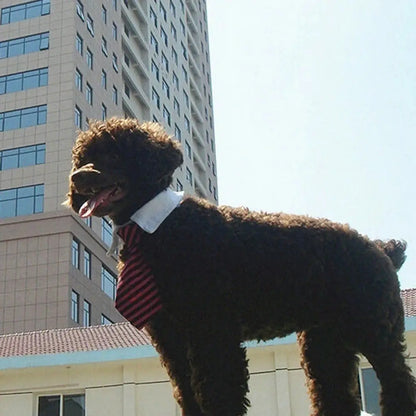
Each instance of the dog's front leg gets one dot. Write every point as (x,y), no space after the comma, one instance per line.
(219,369)
(170,342)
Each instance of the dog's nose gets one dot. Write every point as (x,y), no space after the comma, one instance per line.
(86,170)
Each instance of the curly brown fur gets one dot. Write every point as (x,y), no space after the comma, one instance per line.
(227,275)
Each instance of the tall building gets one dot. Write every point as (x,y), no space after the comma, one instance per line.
(63,62)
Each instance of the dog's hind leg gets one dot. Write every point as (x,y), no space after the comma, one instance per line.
(173,355)
(398,386)
(332,373)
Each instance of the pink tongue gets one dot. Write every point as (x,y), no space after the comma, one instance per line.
(88,208)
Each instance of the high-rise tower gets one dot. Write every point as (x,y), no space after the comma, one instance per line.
(61,63)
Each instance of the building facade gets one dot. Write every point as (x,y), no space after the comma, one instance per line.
(62,63)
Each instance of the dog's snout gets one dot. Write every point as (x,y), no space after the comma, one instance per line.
(84,171)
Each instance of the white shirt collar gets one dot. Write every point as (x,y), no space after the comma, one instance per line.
(151,215)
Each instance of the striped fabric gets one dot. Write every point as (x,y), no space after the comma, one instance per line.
(137,297)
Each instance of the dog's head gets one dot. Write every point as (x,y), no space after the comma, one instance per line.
(118,165)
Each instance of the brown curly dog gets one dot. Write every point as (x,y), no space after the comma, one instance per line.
(224,275)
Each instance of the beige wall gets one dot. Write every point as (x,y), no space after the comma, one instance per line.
(140,387)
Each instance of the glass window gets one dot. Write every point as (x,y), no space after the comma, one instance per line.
(103,112)
(24,45)
(22,156)
(178,133)
(155,98)
(90,59)
(104,14)
(78,117)
(188,176)
(115,95)
(78,79)
(115,31)
(90,25)
(75,306)
(87,263)
(67,405)
(104,79)
(79,44)
(154,43)
(25,11)
(165,88)
(105,320)
(86,313)
(166,115)
(88,94)
(163,12)
(106,232)
(80,10)
(104,46)
(108,282)
(75,253)
(24,117)
(155,70)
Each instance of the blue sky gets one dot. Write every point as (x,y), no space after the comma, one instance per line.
(315,111)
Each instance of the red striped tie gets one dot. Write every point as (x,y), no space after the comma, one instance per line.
(137,297)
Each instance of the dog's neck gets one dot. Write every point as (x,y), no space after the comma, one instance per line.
(151,215)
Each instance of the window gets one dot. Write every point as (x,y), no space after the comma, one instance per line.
(175,81)
(165,62)
(153,16)
(25,11)
(108,282)
(154,43)
(104,14)
(165,88)
(166,115)
(104,46)
(215,194)
(182,6)
(23,80)
(78,79)
(188,176)
(163,12)
(164,36)
(75,306)
(20,157)
(174,56)
(103,111)
(80,10)
(90,25)
(87,263)
(187,124)
(104,79)
(182,27)
(89,57)
(178,133)
(179,186)
(78,117)
(155,70)
(115,31)
(21,201)
(115,95)
(172,8)
(173,31)
(185,74)
(115,62)
(155,98)
(105,320)
(184,51)
(115,4)
(106,232)
(79,44)
(176,107)
(75,253)
(214,171)
(57,405)
(188,150)
(370,390)
(23,117)
(210,184)
(86,313)
(24,45)
(127,90)
(89,94)
(186,98)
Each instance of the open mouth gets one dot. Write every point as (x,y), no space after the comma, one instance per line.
(100,200)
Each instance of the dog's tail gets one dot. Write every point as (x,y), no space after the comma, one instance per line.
(395,250)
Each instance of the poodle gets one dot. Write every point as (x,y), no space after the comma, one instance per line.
(216,276)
